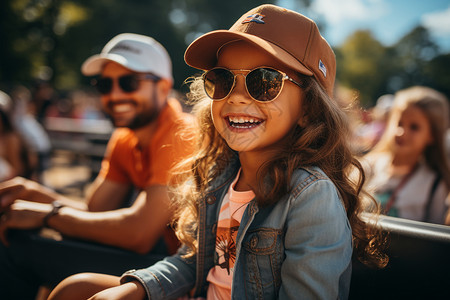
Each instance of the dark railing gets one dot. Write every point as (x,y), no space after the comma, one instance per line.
(419,263)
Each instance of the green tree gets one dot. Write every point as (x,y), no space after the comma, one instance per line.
(437,74)
(413,54)
(50,39)
(362,65)
(372,69)
(31,30)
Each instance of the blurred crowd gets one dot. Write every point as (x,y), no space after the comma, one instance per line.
(25,143)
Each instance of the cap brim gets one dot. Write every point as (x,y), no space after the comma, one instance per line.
(203,52)
(94,64)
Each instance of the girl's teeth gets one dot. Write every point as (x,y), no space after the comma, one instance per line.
(242,120)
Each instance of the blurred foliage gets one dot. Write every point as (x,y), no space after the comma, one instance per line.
(374,70)
(358,62)
(50,39)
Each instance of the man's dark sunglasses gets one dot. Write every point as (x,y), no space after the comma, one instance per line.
(128,83)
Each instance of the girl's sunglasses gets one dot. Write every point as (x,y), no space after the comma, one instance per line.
(263,84)
(128,83)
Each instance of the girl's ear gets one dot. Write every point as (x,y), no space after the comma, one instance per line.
(302,121)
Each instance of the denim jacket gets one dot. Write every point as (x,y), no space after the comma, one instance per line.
(297,248)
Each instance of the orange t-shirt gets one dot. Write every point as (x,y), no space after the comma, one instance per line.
(125,162)
(172,141)
(220,276)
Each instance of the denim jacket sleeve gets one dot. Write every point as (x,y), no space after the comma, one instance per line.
(170,278)
(318,244)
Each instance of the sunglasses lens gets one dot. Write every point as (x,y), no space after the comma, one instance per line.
(218,83)
(129,83)
(264,84)
(103,85)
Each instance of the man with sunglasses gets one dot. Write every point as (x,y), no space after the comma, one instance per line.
(104,235)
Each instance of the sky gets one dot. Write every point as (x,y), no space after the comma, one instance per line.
(388,20)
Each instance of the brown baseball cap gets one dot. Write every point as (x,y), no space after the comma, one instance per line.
(288,36)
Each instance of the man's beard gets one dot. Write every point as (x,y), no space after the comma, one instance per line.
(140,120)
(144,118)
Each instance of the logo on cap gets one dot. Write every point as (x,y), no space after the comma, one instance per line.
(322,68)
(125,47)
(257,18)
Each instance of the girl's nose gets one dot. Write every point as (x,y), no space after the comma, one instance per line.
(239,93)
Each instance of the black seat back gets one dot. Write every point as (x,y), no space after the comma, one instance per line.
(419,264)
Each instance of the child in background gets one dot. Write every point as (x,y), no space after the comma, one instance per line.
(14,155)
(408,169)
(268,208)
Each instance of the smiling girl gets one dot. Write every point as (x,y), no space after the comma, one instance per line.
(408,169)
(268,209)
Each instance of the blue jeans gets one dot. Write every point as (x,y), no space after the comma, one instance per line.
(32,260)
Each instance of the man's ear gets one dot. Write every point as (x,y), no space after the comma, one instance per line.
(164,87)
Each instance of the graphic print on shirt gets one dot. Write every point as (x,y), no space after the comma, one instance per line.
(225,254)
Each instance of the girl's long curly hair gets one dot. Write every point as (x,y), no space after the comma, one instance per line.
(321,141)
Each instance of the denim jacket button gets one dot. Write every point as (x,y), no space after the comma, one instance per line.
(254,242)
(211,199)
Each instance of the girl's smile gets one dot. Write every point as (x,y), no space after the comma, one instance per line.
(240,123)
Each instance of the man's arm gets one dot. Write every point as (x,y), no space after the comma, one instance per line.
(136,228)
(104,195)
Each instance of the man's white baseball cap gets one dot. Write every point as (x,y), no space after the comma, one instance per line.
(138,53)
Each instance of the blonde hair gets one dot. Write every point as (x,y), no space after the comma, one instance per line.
(434,106)
(322,141)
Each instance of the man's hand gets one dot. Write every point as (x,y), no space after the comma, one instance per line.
(24,189)
(11,190)
(23,215)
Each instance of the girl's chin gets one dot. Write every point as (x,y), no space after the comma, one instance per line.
(240,147)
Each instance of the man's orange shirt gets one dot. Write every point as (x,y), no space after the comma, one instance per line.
(172,141)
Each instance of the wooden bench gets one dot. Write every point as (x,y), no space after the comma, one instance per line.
(84,139)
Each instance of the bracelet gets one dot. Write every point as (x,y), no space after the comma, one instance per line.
(56,206)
